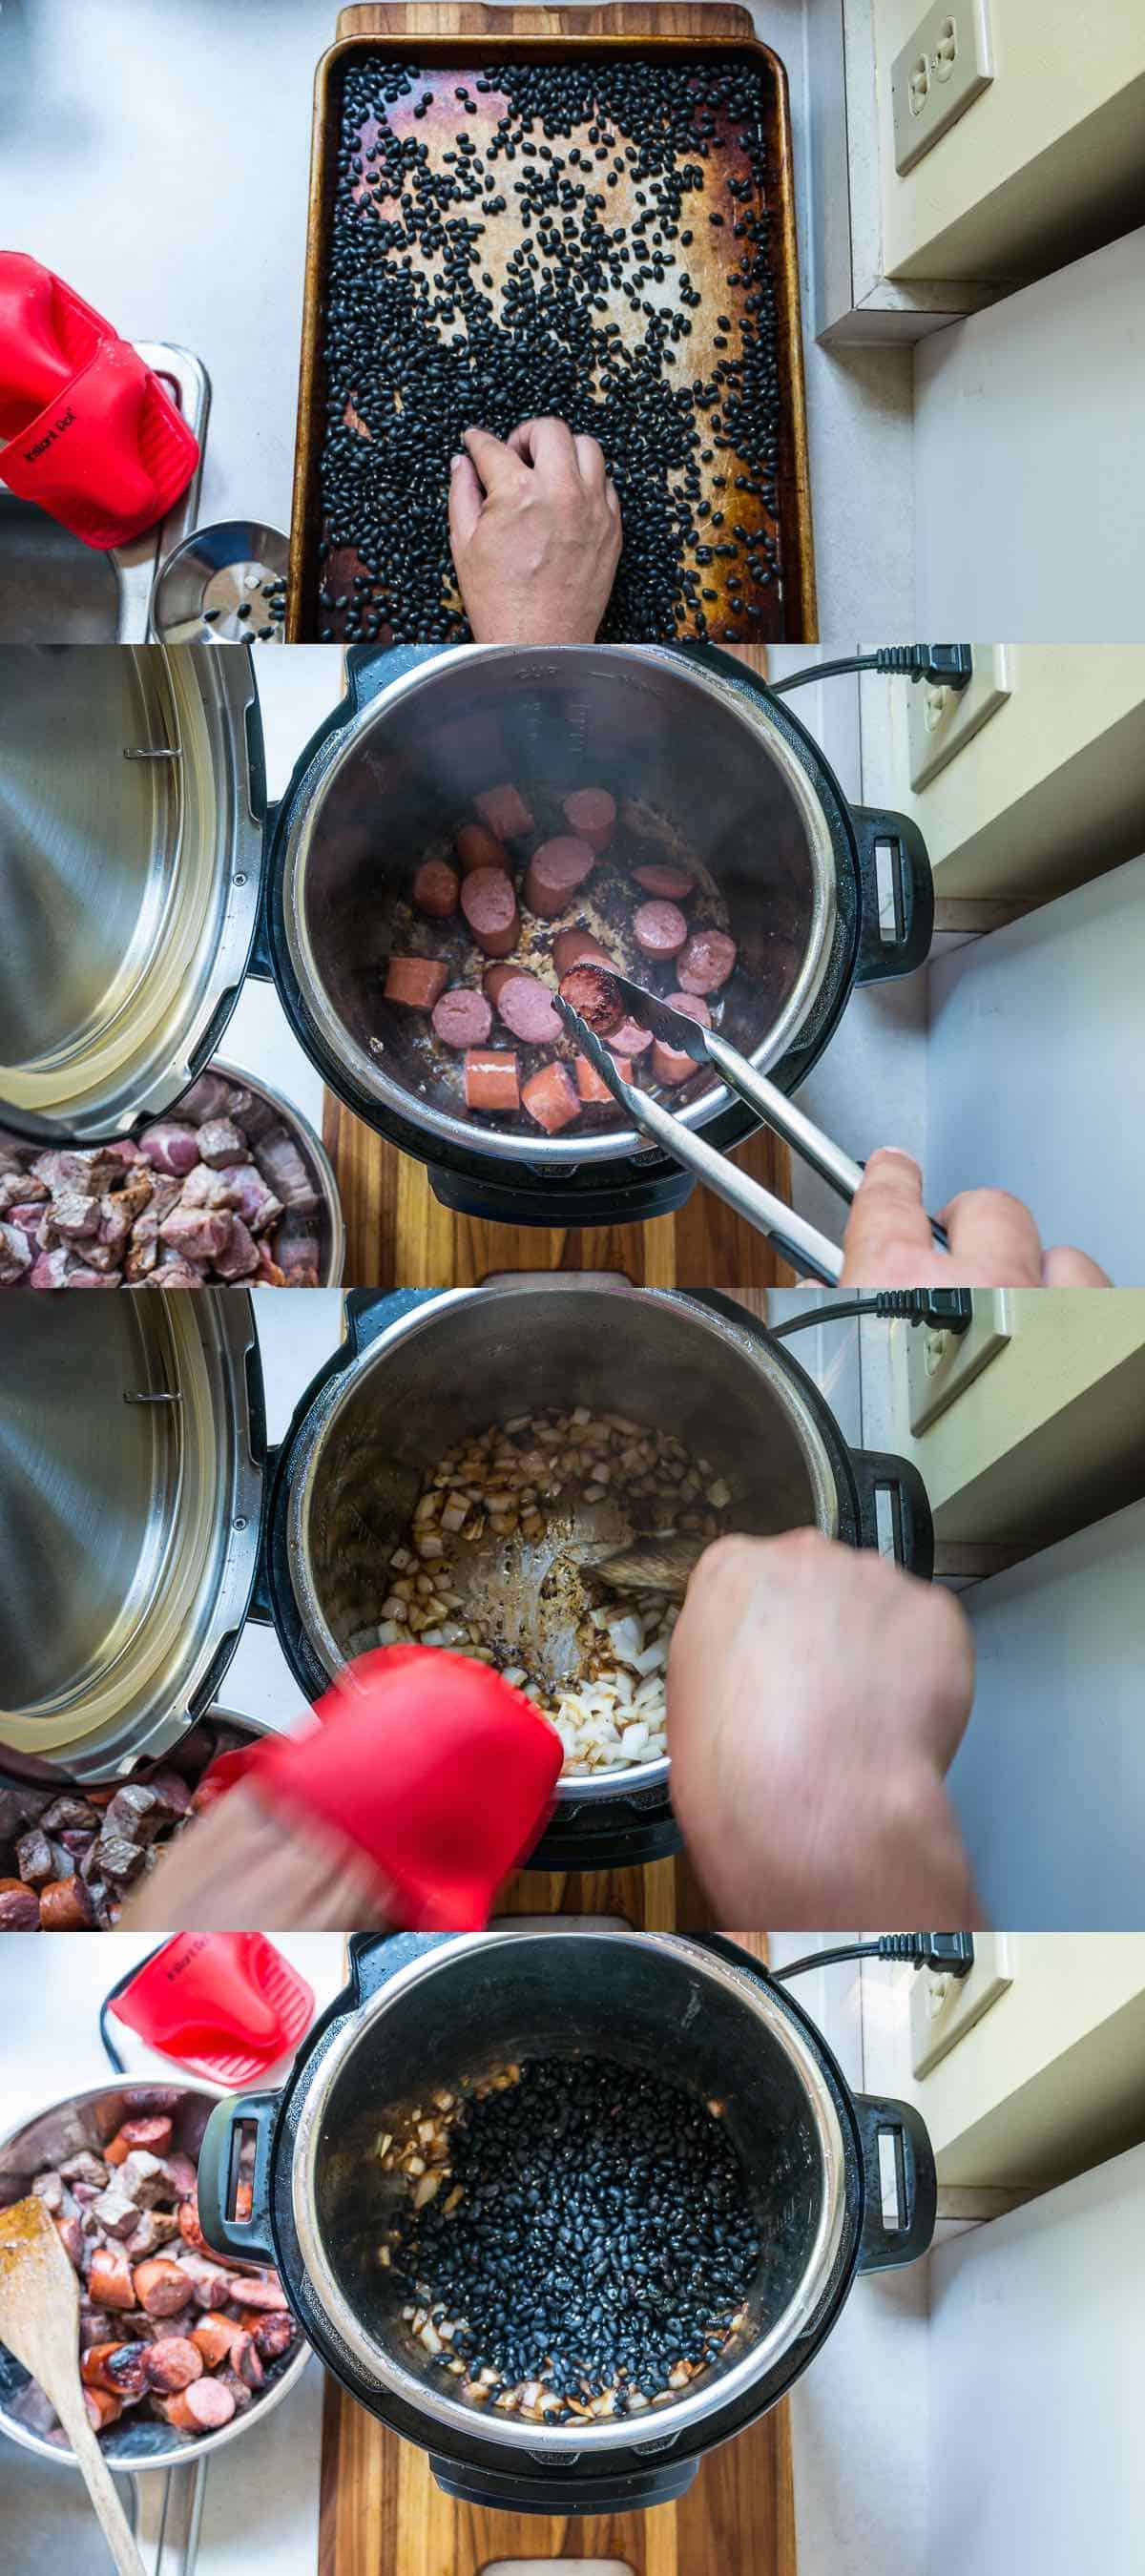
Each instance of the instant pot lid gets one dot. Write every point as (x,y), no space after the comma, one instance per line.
(129,870)
(130,1507)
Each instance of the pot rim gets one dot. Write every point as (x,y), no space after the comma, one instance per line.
(190,2447)
(576,1788)
(667,2423)
(544,1154)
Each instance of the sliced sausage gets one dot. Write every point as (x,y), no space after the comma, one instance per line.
(416,981)
(505,812)
(173,2363)
(213,2337)
(629,1039)
(102,2408)
(525,1005)
(245,2361)
(489,904)
(162,2286)
(670,1064)
(492,1081)
(478,847)
(435,889)
(257,2290)
(66,1906)
(707,962)
(462,1018)
(155,2135)
(593,992)
(659,929)
(550,1097)
(110,2284)
(189,2228)
(118,2367)
(673,885)
(593,1091)
(591,813)
(571,947)
(274,2335)
(202,2408)
(554,873)
(19,1906)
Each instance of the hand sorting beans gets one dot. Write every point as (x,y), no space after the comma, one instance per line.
(578,2239)
(213,1193)
(165,2328)
(537,896)
(587,241)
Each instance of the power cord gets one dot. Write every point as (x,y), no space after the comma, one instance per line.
(943,666)
(949,1954)
(946,1310)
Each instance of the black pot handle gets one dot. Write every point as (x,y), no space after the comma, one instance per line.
(375,1957)
(243,2240)
(900,942)
(911,1521)
(886,2243)
(370,668)
(371,1311)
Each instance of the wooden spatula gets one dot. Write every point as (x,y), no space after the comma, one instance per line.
(645,1565)
(40,2323)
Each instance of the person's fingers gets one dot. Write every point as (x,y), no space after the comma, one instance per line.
(548,445)
(887,1242)
(466,502)
(590,460)
(612,497)
(1063,1267)
(497,463)
(995,1237)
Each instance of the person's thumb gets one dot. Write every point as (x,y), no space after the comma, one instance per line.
(466,502)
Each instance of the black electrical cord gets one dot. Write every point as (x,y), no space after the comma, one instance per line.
(947,1310)
(944,666)
(949,1954)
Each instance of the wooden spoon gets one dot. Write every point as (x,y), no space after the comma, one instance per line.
(646,1565)
(40,2323)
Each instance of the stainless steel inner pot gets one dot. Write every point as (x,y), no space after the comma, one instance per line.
(679,739)
(475,1356)
(89,2120)
(129,872)
(129,1517)
(660,2002)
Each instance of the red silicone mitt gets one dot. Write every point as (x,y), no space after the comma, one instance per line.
(92,437)
(430,1764)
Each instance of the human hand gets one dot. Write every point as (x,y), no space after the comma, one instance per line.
(534,526)
(244,1866)
(994,1242)
(816,1699)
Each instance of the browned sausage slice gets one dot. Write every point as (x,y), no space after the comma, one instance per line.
(571,947)
(674,885)
(435,889)
(257,2290)
(120,2367)
(551,1098)
(110,2284)
(491,1080)
(629,1039)
(462,1018)
(591,812)
(505,812)
(478,847)
(274,2336)
(162,2286)
(554,873)
(593,1091)
(659,929)
(155,2135)
(525,1005)
(173,2363)
(213,2337)
(670,1064)
(707,962)
(593,992)
(416,981)
(201,2408)
(490,908)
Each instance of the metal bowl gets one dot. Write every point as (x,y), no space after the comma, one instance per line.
(89,2119)
(205,582)
(331,1226)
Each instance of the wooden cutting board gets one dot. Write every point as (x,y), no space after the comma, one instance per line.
(383,2515)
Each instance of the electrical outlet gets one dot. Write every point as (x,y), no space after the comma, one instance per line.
(943,2009)
(946,63)
(940,1364)
(941,721)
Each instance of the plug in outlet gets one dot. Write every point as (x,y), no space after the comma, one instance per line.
(943,66)
(939,1364)
(943,2009)
(940,722)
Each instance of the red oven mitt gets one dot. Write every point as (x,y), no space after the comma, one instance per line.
(431,1764)
(91,436)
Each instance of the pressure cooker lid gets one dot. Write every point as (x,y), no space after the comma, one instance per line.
(129,862)
(704,780)
(129,1516)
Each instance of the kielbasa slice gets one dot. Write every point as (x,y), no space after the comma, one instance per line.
(489,904)
(478,847)
(571,947)
(525,1005)
(202,2408)
(213,2337)
(172,2363)
(462,1018)
(435,889)
(592,991)
(659,929)
(591,813)
(416,981)
(257,2290)
(593,1091)
(505,812)
(109,2283)
(102,2409)
(162,2286)
(118,2367)
(554,873)
(670,1064)
(492,1081)
(629,1039)
(274,2336)
(707,962)
(551,1098)
(155,2135)
(673,885)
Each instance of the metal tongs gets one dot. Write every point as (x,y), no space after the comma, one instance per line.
(795,1240)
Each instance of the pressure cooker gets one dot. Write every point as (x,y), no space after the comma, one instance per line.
(145,1515)
(840,2183)
(145,875)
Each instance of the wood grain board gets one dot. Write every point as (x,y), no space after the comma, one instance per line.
(383,2515)
(462,34)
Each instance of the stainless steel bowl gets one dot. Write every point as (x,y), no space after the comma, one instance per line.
(331,1224)
(89,2119)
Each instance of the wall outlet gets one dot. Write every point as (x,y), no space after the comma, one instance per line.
(943,2009)
(940,1364)
(946,63)
(941,721)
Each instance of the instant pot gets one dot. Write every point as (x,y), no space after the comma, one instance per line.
(145,874)
(420,2012)
(146,1516)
